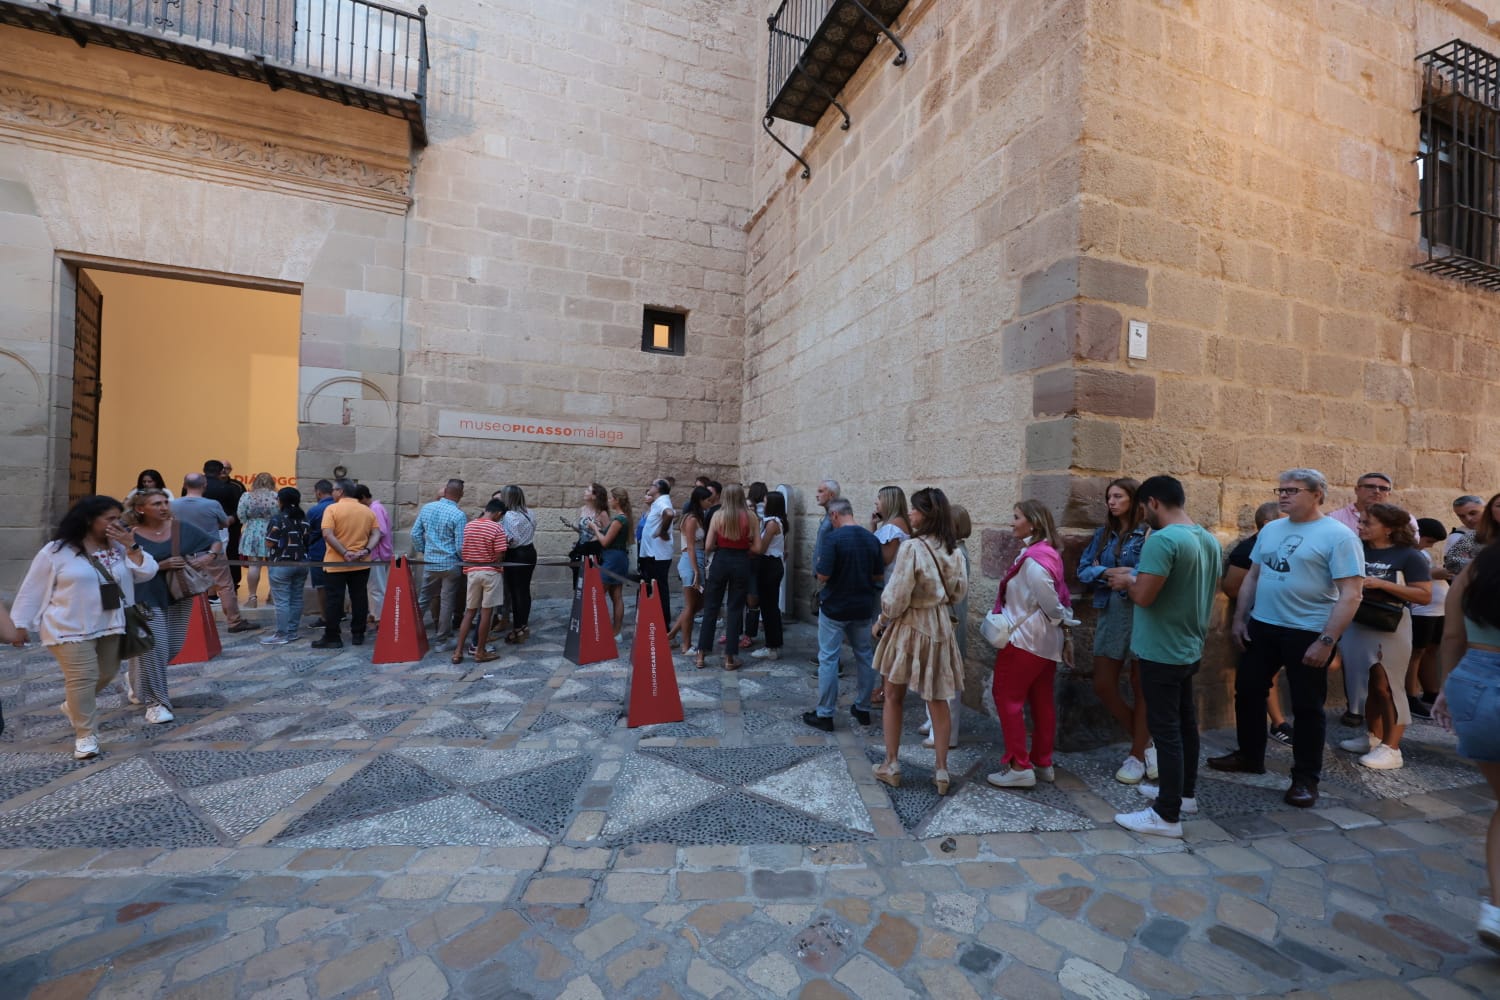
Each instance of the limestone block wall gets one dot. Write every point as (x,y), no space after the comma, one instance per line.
(1248,186)
(117,160)
(880,291)
(587,160)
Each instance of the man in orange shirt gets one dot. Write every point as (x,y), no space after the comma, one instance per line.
(350,529)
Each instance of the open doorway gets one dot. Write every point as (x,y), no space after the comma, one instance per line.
(176,372)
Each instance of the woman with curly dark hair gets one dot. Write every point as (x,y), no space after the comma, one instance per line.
(74,596)
(1377,653)
(1470,700)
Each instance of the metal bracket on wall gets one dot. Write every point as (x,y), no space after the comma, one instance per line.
(900,59)
(766,124)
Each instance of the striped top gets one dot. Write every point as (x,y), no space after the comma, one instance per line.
(484,543)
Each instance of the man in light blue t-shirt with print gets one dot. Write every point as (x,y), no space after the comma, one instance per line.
(1304,585)
(1172,589)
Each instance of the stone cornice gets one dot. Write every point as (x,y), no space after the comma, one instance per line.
(192,150)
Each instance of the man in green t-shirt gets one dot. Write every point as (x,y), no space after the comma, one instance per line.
(1173,589)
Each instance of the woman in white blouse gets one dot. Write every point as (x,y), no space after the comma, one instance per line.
(74,597)
(1036,600)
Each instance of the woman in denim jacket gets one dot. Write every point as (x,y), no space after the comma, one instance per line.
(1118,543)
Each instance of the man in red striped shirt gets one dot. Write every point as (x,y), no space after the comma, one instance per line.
(482,553)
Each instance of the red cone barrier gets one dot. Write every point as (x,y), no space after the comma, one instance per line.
(202,642)
(590,638)
(402,638)
(654,697)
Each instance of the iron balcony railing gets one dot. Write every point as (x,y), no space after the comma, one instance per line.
(353,51)
(816,47)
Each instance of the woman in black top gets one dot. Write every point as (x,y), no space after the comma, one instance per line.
(287,538)
(1395,575)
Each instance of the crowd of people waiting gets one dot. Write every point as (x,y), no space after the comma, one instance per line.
(1357,586)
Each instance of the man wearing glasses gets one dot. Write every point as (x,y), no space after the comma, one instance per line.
(1305,581)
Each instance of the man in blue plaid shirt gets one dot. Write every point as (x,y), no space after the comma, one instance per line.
(438,535)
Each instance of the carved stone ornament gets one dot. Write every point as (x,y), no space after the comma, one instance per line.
(195,151)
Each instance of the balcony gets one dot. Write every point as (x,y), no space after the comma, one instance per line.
(816,48)
(361,54)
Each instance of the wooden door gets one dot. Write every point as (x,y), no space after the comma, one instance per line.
(84,449)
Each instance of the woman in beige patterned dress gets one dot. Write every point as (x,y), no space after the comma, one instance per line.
(919,649)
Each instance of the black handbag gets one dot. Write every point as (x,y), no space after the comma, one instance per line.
(1383,616)
(138,639)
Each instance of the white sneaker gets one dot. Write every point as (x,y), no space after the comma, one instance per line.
(1151,772)
(925,728)
(1130,772)
(1146,821)
(765,653)
(1189,806)
(85,748)
(1013,778)
(156,715)
(1382,758)
(1047,774)
(1363,743)
(931,741)
(1489,925)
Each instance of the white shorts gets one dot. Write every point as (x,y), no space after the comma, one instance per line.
(484,589)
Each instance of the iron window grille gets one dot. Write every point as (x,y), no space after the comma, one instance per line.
(1458,164)
(663,331)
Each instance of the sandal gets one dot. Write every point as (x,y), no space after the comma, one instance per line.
(940,779)
(888,776)
(730,663)
(458,655)
(698,661)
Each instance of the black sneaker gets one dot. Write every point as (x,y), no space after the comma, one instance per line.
(817,721)
(860,716)
(358,640)
(1419,708)
(327,644)
(1282,734)
(1352,719)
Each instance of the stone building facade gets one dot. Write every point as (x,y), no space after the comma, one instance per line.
(945,299)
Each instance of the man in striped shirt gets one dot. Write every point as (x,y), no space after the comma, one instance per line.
(438,534)
(483,552)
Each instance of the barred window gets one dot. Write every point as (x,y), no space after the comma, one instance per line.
(1458,164)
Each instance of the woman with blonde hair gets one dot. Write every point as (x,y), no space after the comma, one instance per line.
(255,510)
(173,544)
(1034,596)
(731,532)
(614,537)
(917,646)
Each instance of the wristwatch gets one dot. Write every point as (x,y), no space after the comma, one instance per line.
(1327,640)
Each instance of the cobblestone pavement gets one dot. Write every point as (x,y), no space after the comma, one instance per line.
(315,826)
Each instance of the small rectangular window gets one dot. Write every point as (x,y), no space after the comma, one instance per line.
(664,331)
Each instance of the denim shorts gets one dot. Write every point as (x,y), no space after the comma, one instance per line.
(685,569)
(617,567)
(1473,692)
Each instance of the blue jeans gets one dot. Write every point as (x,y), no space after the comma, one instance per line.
(286,594)
(1473,690)
(831,636)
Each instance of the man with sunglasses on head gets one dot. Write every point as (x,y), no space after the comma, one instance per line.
(1372,487)
(1305,582)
